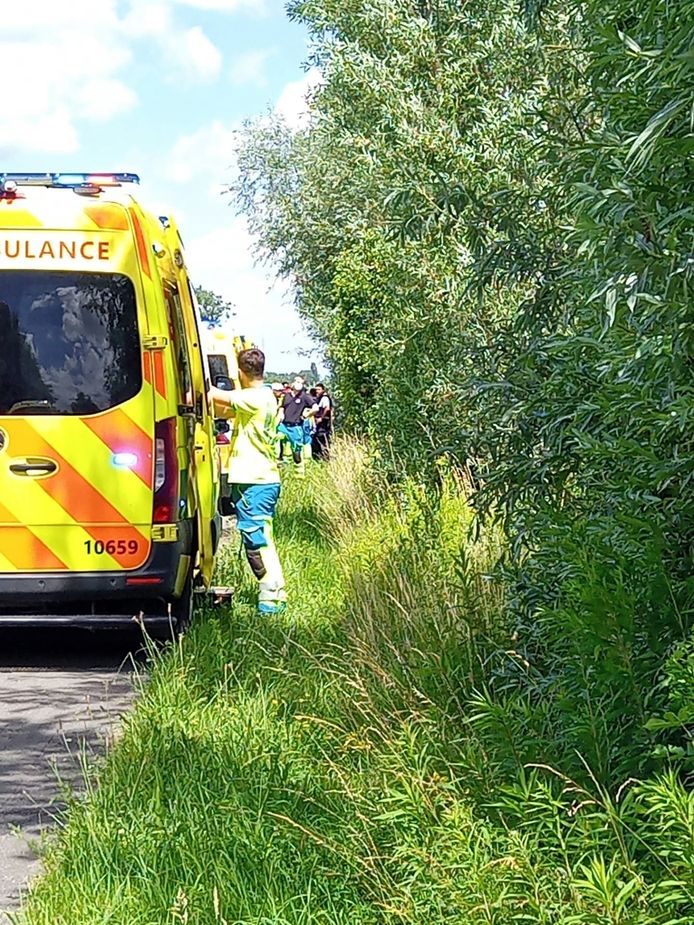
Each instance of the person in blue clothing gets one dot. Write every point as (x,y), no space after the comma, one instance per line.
(297,407)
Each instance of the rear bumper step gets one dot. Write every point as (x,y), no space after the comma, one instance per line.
(96,621)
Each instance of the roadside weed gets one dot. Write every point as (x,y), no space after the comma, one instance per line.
(370,757)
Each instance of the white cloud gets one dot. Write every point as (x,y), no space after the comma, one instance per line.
(197,53)
(207,154)
(185,51)
(65,64)
(49,132)
(30,16)
(225,6)
(147,20)
(249,68)
(224,260)
(78,74)
(292,104)
(102,99)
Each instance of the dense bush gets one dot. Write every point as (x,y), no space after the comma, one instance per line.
(488,225)
(349,762)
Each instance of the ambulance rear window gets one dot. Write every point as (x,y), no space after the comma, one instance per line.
(69,342)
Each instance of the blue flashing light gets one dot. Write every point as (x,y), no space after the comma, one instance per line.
(70,180)
(124,460)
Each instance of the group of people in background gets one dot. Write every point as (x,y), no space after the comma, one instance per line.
(303,419)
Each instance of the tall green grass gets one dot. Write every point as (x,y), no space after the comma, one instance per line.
(357,760)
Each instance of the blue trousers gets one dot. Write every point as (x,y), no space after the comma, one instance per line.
(255,508)
(294,433)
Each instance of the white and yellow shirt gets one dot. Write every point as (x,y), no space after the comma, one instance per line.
(253,456)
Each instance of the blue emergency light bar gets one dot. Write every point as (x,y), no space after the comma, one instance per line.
(85,181)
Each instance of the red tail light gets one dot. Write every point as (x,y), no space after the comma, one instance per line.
(165,473)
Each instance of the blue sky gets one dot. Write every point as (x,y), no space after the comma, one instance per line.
(158,87)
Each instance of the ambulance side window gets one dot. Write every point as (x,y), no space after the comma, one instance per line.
(178,339)
(219,371)
(218,364)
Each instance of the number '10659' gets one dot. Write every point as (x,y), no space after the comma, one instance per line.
(111,547)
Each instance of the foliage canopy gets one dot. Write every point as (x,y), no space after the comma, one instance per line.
(488,224)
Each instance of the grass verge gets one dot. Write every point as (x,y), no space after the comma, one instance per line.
(352,761)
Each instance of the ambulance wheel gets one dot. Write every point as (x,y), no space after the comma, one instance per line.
(182,607)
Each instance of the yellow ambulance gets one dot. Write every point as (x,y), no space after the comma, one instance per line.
(222,349)
(108,472)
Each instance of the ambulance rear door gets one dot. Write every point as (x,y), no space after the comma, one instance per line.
(76,397)
(205,477)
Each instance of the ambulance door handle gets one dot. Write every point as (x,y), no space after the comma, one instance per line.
(34,467)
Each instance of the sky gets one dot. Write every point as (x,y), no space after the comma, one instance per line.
(158,88)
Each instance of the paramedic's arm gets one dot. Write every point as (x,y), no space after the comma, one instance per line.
(235,402)
(228,403)
(222,406)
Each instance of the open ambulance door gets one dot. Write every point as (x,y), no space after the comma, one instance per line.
(205,466)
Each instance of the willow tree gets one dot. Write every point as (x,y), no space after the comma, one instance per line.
(421,180)
(487,224)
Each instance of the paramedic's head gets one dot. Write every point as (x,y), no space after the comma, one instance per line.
(251,367)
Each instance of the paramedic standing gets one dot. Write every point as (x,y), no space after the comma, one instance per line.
(253,474)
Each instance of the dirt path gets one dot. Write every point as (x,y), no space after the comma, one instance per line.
(61,693)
